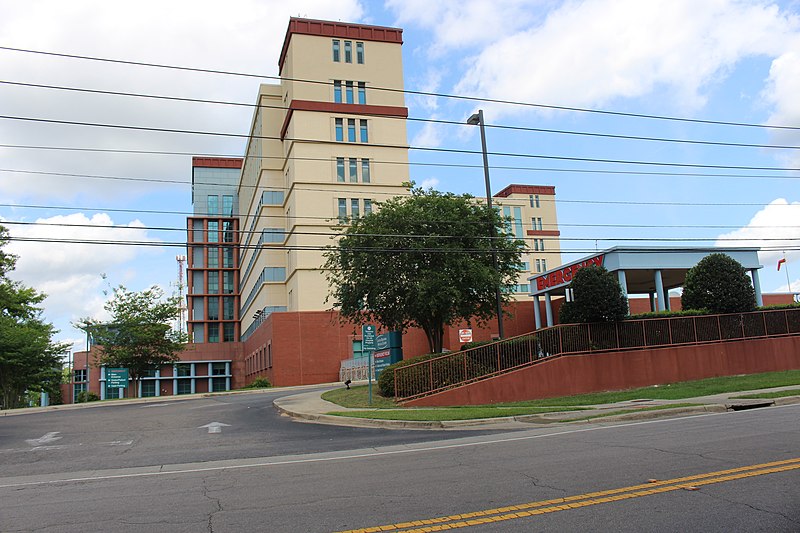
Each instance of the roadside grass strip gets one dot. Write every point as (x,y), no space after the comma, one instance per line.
(774,394)
(526,510)
(629,411)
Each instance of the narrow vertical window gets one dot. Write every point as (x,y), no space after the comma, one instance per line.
(541,244)
(535,245)
(354,211)
(351,130)
(544,265)
(533,204)
(336,50)
(367,206)
(337,91)
(360,53)
(349,92)
(362,93)
(365,171)
(342,209)
(213,204)
(537,200)
(348,51)
(227,205)
(339,129)
(364,136)
(538,265)
(518,233)
(353,163)
(213,231)
(340,169)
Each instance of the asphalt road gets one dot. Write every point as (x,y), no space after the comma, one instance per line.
(736,471)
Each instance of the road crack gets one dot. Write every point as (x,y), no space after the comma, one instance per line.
(215,501)
(750,506)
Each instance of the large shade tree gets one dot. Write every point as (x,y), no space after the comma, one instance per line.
(423,260)
(720,284)
(139,335)
(29,358)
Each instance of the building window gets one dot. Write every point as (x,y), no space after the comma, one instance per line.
(342,209)
(148,388)
(274,274)
(353,163)
(348,51)
(273,235)
(337,91)
(360,53)
(228,332)
(213,333)
(544,265)
(228,307)
(534,198)
(362,93)
(197,257)
(198,312)
(213,258)
(197,333)
(538,265)
(213,231)
(339,129)
(364,137)
(365,171)
(227,282)
(76,390)
(351,130)
(184,386)
(272,197)
(526,266)
(367,206)
(218,369)
(183,370)
(213,204)
(79,375)
(354,211)
(537,223)
(227,205)
(213,283)
(197,282)
(227,231)
(336,50)
(349,92)
(213,308)
(340,168)
(227,257)
(218,384)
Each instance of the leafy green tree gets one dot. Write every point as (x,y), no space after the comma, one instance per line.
(720,284)
(29,359)
(139,335)
(422,260)
(598,298)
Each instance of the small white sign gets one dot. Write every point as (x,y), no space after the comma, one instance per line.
(465,335)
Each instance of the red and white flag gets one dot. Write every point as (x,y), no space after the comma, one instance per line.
(780,262)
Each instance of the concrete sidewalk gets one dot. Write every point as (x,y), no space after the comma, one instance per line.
(311,407)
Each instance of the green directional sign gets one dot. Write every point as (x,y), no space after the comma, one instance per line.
(368,338)
(116,377)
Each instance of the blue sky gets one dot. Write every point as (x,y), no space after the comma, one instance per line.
(717,60)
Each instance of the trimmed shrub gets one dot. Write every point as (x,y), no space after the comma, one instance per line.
(598,298)
(259,383)
(669,314)
(720,284)
(86,396)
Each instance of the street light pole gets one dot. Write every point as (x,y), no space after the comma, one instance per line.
(477,120)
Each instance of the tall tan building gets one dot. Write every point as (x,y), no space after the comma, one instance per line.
(326,142)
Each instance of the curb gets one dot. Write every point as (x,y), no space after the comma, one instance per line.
(527,420)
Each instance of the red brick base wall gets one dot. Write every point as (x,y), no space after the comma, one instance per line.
(578,374)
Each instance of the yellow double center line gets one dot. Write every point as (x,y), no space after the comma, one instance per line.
(513,512)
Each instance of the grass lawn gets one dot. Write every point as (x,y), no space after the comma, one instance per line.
(776,394)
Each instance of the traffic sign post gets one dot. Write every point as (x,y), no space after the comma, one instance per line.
(368,345)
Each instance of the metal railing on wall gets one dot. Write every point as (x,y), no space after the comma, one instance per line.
(459,368)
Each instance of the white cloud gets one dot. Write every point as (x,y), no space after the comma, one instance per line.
(429,183)
(70,273)
(467,23)
(590,53)
(777,226)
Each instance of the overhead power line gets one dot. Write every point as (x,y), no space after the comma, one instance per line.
(404,91)
(418,119)
(408,147)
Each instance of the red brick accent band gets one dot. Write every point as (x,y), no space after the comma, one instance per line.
(526,189)
(327,28)
(543,233)
(342,109)
(217,162)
